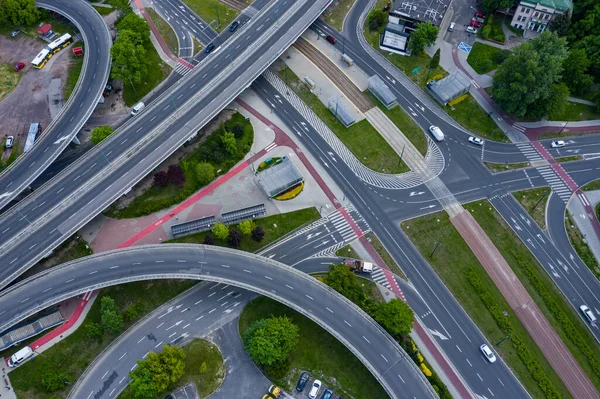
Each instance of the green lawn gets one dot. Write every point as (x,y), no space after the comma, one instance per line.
(347,252)
(479,122)
(495,33)
(165,30)
(575,112)
(561,315)
(9,79)
(591,186)
(558,135)
(196,352)
(484,58)
(361,138)
(157,72)
(451,261)
(529,199)
(104,10)
(210,150)
(213,10)
(502,167)
(275,227)
(318,353)
(569,158)
(406,124)
(581,247)
(75,65)
(387,258)
(73,354)
(337,11)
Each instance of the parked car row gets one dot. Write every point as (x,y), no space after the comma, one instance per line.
(315,388)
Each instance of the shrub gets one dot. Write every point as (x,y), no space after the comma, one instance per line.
(209,239)
(203,368)
(238,130)
(220,231)
(501,55)
(246,227)
(291,193)
(234,239)
(161,179)
(425,370)
(376,19)
(458,100)
(100,133)
(205,173)
(176,175)
(94,330)
(278,370)
(53,379)
(435,60)
(258,234)
(487,28)
(133,311)
(229,143)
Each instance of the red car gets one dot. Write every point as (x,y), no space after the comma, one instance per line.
(19,66)
(479,14)
(475,24)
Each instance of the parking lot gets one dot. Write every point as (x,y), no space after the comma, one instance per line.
(463,12)
(306,390)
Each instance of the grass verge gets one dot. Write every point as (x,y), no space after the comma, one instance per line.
(165,30)
(318,353)
(213,10)
(495,31)
(452,261)
(275,227)
(568,158)
(591,186)
(474,118)
(211,150)
(196,352)
(347,252)
(361,138)
(337,11)
(559,135)
(579,242)
(385,255)
(157,72)
(9,79)
(104,10)
(73,354)
(534,201)
(73,72)
(502,167)
(484,58)
(575,112)
(561,315)
(406,124)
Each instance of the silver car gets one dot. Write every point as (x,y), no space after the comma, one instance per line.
(314,389)
(487,352)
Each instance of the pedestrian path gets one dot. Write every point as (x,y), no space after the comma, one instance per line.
(529,151)
(182,69)
(556,183)
(21,333)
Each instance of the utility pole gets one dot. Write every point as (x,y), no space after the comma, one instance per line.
(472,109)
(437,244)
(503,339)
(563,128)
(218,20)
(540,200)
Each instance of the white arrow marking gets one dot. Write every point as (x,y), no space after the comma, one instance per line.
(572,257)
(323,243)
(597,311)
(331,155)
(438,334)
(416,193)
(60,140)
(311,235)
(530,243)
(540,237)
(428,207)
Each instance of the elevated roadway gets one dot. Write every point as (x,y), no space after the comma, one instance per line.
(76,111)
(378,351)
(30,230)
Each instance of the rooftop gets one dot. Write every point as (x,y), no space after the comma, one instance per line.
(279,177)
(424,10)
(560,5)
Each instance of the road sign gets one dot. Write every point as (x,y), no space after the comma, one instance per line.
(464,47)
(417,69)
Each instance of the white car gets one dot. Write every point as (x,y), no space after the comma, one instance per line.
(589,315)
(470,29)
(475,140)
(557,144)
(314,389)
(487,352)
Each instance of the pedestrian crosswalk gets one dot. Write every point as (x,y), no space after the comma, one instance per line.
(529,151)
(387,279)
(182,69)
(342,226)
(556,183)
(379,277)
(347,224)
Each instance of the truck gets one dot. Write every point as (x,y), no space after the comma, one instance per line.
(275,391)
(20,356)
(359,266)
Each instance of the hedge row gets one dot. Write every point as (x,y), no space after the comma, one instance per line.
(435,381)
(559,315)
(524,353)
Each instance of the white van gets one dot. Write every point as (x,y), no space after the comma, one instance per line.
(138,107)
(436,132)
(20,357)
(589,315)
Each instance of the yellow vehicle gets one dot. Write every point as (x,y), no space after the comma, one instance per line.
(267,396)
(275,391)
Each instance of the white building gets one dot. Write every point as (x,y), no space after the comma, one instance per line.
(536,15)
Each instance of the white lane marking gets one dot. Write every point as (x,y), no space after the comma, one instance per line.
(365,338)
(123,355)
(309,297)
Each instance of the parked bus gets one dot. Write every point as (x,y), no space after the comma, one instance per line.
(43,56)
(34,129)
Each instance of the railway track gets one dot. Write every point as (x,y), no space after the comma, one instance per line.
(339,78)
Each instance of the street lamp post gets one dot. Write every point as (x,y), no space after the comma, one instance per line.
(564,126)
(503,339)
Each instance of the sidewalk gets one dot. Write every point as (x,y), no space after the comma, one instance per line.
(581,208)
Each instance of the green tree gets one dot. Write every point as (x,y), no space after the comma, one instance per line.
(112,321)
(376,19)
(234,239)
(435,60)
(54,379)
(228,141)
(574,75)
(238,130)
(395,316)
(122,6)
(493,5)
(560,24)
(246,227)
(94,330)
(258,234)
(423,36)
(157,372)
(133,23)
(205,173)
(344,281)
(107,304)
(129,60)
(220,231)
(271,340)
(20,12)
(524,82)
(100,133)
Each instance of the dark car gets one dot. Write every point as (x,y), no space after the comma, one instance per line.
(327,394)
(170,396)
(19,66)
(14,33)
(234,26)
(302,382)
(330,39)
(209,48)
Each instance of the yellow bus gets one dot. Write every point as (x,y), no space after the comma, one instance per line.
(43,56)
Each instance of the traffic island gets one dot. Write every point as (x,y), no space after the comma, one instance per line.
(534,202)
